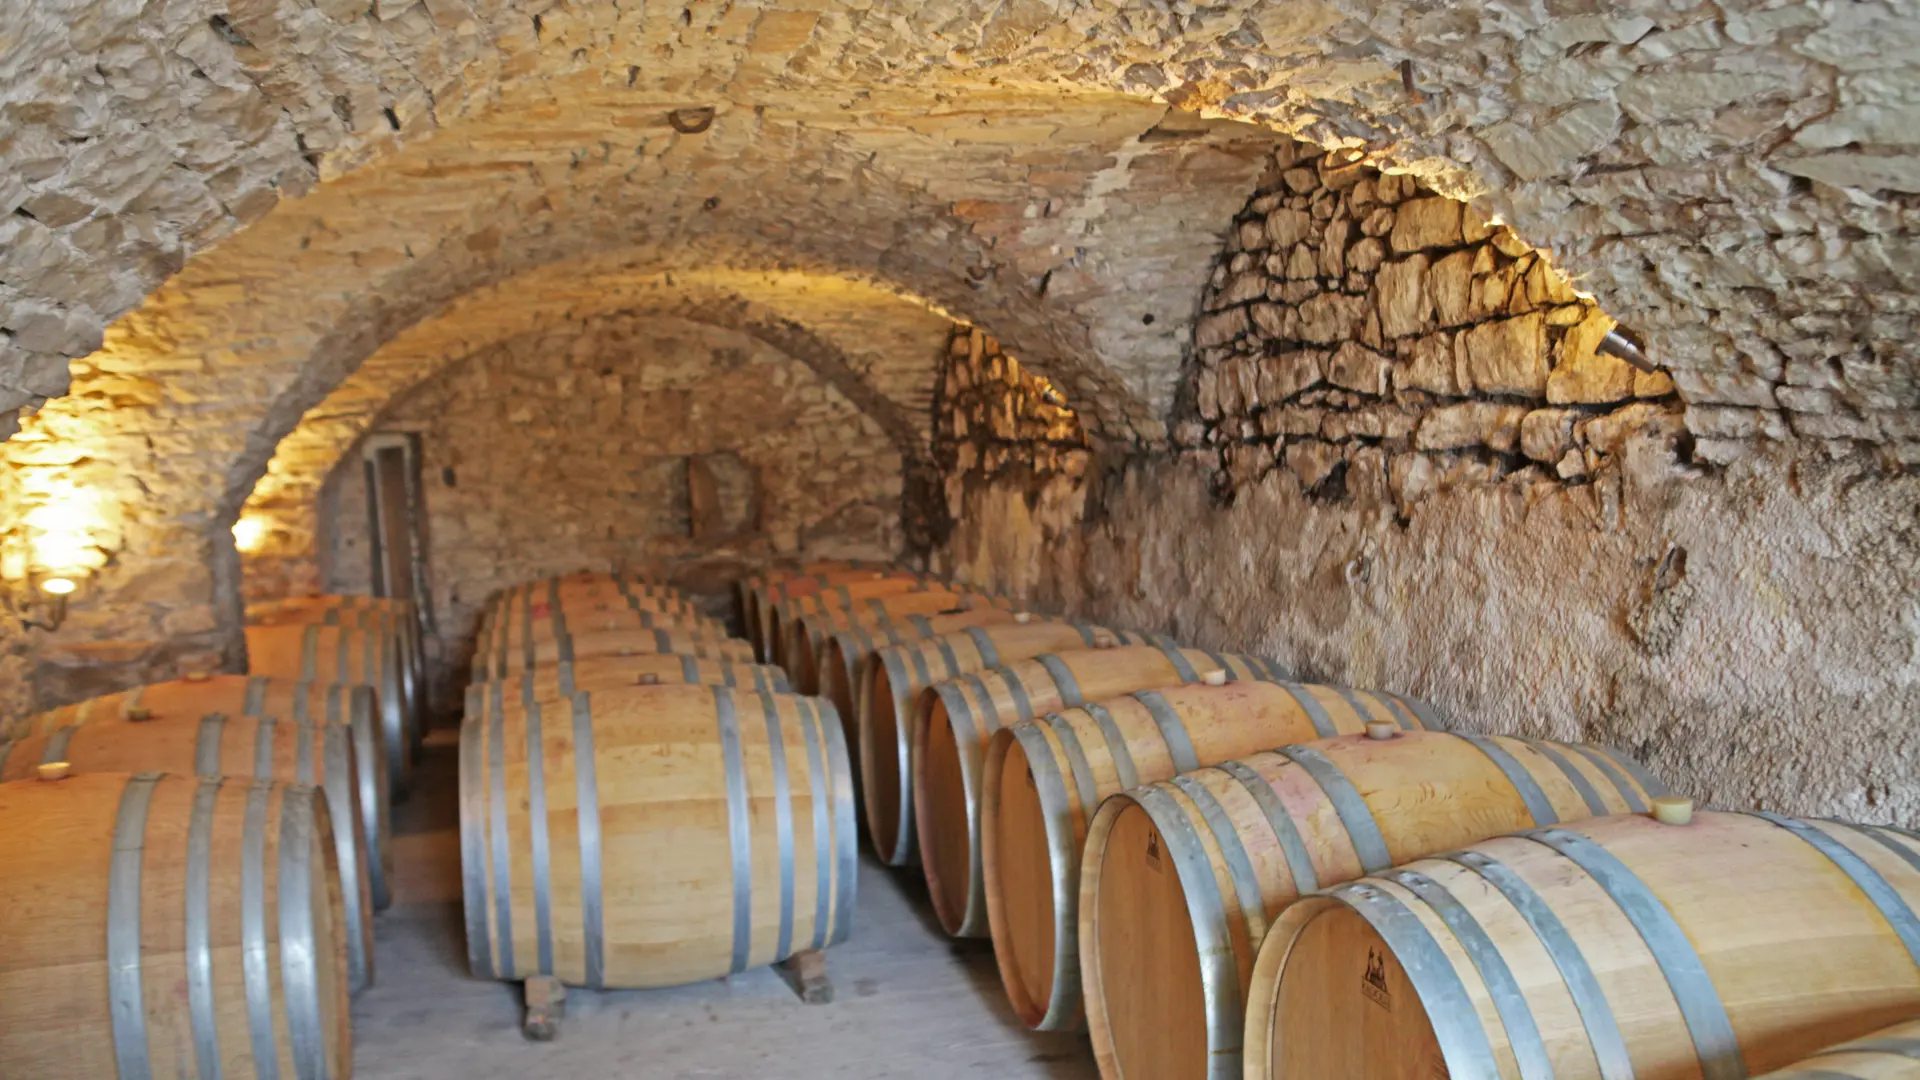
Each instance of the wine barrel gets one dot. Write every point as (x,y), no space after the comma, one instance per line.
(1888,1054)
(354,707)
(895,678)
(1340,808)
(845,652)
(610,643)
(656,836)
(808,632)
(395,617)
(1618,946)
(320,755)
(168,926)
(953,723)
(760,618)
(515,625)
(580,599)
(1044,779)
(781,617)
(754,587)
(348,657)
(554,682)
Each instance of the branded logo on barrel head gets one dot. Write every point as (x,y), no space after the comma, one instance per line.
(1374,984)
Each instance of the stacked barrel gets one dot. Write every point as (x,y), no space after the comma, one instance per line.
(1217,871)
(641,803)
(193,866)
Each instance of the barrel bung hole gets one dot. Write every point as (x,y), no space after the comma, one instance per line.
(1346,1008)
(1149,979)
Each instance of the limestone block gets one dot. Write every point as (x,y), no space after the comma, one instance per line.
(1547,434)
(1400,296)
(1253,235)
(1220,328)
(1473,423)
(1450,285)
(1333,247)
(1331,318)
(1287,227)
(1429,222)
(1505,357)
(1360,369)
(1583,376)
(1429,367)
(1540,151)
(1284,375)
(1271,319)
(1366,256)
(1378,222)
(1312,461)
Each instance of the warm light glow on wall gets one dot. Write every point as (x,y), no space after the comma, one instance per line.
(250,534)
(63,531)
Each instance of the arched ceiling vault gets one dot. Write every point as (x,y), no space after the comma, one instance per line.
(875,347)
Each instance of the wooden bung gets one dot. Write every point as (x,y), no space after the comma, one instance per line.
(170,926)
(354,708)
(349,657)
(1043,780)
(955,719)
(53,770)
(1345,807)
(1618,946)
(559,681)
(240,747)
(654,836)
(891,681)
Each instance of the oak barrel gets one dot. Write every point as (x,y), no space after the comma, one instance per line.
(349,657)
(782,615)
(895,678)
(320,755)
(953,723)
(808,633)
(1618,946)
(754,588)
(1888,1054)
(1044,779)
(611,643)
(1278,825)
(655,836)
(760,625)
(170,926)
(549,682)
(845,653)
(397,617)
(354,707)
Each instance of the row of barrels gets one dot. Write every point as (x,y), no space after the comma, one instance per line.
(193,866)
(641,804)
(1219,872)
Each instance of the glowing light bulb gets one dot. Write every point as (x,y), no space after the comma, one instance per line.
(250,534)
(58,586)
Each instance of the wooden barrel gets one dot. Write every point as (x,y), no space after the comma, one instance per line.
(807,632)
(845,652)
(389,617)
(581,598)
(760,618)
(953,723)
(355,708)
(168,926)
(517,623)
(896,677)
(554,682)
(754,587)
(781,616)
(656,836)
(610,643)
(1618,946)
(242,747)
(348,657)
(1341,808)
(1044,779)
(1888,1054)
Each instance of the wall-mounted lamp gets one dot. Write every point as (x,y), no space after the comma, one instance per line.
(40,602)
(250,533)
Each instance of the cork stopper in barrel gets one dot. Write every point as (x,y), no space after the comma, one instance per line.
(1023,618)
(1216,677)
(139,713)
(197,675)
(1673,810)
(649,679)
(54,770)
(1382,730)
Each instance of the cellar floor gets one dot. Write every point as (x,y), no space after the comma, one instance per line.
(910,1005)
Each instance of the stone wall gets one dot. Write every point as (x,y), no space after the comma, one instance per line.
(571,450)
(1400,463)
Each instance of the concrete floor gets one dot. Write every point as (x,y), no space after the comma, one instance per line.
(910,1004)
